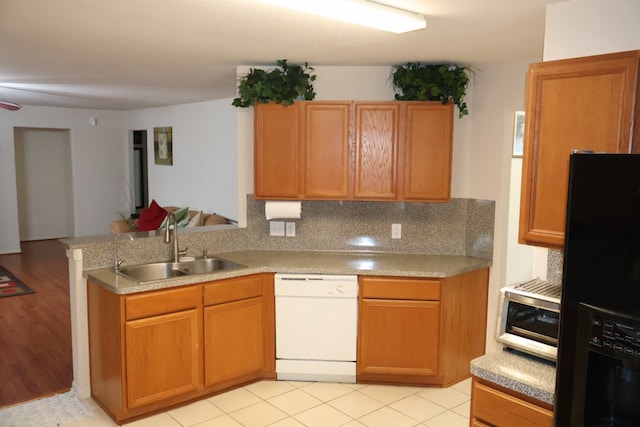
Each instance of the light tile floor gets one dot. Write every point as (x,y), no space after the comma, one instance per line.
(299,404)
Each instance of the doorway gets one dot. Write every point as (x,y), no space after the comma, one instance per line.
(140,186)
(44,183)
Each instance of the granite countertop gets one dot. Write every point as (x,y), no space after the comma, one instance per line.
(519,372)
(362,263)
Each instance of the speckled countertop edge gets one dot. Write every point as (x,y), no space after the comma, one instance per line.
(383,264)
(519,372)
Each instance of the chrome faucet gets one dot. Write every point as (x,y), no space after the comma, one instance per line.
(117,262)
(167,236)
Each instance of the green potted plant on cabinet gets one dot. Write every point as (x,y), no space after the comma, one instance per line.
(283,85)
(432,82)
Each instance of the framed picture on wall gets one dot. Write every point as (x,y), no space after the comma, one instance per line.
(518,134)
(163,145)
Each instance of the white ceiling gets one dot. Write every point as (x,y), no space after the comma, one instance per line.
(129,54)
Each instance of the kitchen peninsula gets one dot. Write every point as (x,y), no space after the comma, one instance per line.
(216,330)
(324,262)
(448,246)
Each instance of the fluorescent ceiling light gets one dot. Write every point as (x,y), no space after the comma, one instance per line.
(360,12)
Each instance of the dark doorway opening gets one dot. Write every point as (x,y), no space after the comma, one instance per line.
(140,176)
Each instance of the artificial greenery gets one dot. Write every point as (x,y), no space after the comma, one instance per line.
(432,82)
(129,220)
(283,85)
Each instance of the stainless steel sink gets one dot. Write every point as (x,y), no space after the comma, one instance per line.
(156,271)
(207,265)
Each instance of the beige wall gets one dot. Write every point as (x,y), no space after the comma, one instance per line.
(498,94)
(44,184)
(96,160)
(591,27)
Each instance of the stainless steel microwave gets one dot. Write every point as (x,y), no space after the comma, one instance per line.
(529,317)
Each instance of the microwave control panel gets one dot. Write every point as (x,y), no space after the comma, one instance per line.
(614,338)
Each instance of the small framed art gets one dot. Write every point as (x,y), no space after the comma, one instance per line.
(518,134)
(163,145)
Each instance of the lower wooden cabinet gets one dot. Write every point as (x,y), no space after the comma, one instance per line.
(397,336)
(152,350)
(493,405)
(156,349)
(161,344)
(161,331)
(405,345)
(234,340)
(421,331)
(234,331)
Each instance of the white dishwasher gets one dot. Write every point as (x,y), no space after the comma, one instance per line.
(316,327)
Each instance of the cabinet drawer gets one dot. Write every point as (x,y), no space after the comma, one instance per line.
(399,288)
(162,302)
(501,409)
(235,289)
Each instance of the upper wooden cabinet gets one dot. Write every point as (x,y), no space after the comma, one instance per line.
(325,144)
(426,151)
(351,150)
(277,151)
(376,154)
(575,104)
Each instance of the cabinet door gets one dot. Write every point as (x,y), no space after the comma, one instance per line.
(233,340)
(426,145)
(326,150)
(398,337)
(277,151)
(376,163)
(583,104)
(504,409)
(163,357)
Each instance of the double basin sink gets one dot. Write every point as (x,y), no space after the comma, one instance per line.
(152,272)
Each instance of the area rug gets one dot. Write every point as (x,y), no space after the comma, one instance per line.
(51,411)
(11,286)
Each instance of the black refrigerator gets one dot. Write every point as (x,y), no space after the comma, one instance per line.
(598,367)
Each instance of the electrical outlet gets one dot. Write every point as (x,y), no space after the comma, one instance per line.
(276,228)
(396,231)
(290,229)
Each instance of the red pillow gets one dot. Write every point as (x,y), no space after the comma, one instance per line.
(151,217)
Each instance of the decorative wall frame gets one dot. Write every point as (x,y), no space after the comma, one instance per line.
(518,134)
(163,145)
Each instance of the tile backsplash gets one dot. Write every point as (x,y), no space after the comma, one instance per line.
(460,227)
(554,265)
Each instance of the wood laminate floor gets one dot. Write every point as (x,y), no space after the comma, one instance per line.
(35,329)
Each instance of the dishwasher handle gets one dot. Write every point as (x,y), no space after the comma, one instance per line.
(315,289)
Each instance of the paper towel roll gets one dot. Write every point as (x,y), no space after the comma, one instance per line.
(274,210)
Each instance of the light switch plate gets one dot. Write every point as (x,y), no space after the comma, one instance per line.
(276,228)
(290,229)
(396,231)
